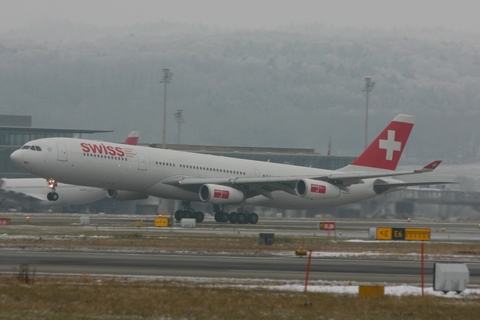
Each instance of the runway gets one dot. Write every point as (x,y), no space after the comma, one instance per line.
(378,269)
(223,266)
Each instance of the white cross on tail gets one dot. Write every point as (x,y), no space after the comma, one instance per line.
(390,145)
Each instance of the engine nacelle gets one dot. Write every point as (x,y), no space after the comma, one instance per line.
(217,194)
(125,195)
(315,190)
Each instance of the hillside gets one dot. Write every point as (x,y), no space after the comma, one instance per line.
(289,87)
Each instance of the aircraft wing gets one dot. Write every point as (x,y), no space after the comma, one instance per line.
(349,178)
(287,183)
(21,197)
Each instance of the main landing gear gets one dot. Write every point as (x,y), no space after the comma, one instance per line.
(52,196)
(188,212)
(240,216)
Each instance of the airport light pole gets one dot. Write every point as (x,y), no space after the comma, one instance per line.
(167,77)
(179,118)
(368,87)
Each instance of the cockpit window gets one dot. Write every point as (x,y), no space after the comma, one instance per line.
(34,148)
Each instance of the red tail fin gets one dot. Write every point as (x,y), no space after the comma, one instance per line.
(132,138)
(385,151)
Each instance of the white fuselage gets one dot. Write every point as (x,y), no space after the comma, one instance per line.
(146,170)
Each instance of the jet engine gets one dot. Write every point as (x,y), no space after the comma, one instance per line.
(217,194)
(316,190)
(125,195)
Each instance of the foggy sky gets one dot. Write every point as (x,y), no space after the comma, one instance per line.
(253,14)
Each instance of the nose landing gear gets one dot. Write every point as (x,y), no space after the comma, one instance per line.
(52,184)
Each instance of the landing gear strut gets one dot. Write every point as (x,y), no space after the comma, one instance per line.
(188,212)
(52,195)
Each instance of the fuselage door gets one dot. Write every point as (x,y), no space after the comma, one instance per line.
(142,161)
(62,152)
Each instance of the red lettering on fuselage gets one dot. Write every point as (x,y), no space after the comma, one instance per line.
(96,149)
(120,152)
(85,147)
(102,149)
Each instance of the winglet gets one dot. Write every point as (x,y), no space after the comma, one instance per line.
(132,138)
(429,167)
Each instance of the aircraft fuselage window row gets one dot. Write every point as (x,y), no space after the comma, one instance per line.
(93,155)
(212,169)
(169,164)
(34,148)
(165,164)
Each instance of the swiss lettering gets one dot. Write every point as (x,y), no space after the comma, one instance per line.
(102,149)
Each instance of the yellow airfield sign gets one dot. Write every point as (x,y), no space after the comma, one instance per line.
(417,234)
(384,233)
(409,234)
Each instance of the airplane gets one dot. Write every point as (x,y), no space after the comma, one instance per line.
(137,171)
(34,192)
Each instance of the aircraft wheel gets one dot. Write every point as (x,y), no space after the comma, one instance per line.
(241,218)
(232,217)
(199,216)
(52,196)
(218,216)
(253,218)
(178,215)
(224,217)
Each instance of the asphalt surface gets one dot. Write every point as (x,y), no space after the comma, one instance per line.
(222,266)
(377,270)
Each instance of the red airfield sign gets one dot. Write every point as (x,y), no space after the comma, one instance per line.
(329,226)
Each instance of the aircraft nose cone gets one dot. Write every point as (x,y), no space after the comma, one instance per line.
(16,157)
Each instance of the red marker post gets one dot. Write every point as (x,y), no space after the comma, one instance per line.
(308,270)
(423,270)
